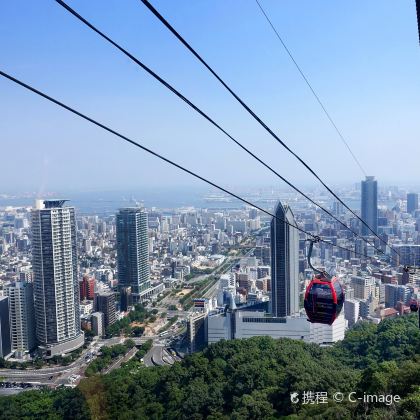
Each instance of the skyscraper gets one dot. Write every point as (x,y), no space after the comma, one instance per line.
(412,202)
(56,286)
(22,316)
(5,341)
(284,264)
(133,250)
(369,205)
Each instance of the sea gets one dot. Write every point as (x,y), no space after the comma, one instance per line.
(108,202)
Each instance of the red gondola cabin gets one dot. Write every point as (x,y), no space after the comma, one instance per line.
(324,299)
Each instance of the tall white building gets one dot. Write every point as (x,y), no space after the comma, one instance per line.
(22,317)
(351,311)
(56,286)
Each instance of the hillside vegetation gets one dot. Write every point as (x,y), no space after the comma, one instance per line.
(250,379)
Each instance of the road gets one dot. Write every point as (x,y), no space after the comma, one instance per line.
(121,360)
(158,355)
(58,374)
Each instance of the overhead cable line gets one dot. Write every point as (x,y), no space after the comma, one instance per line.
(305,78)
(258,119)
(207,117)
(171,162)
(418,26)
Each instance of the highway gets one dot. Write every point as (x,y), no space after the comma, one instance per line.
(51,375)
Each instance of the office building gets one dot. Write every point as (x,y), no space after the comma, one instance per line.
(408,254)
(263,253)
(197,331)
(87,288)
(98,324)
(5,338)
(22,317)
(126,299)
(253,324)
(219,327)
(351,311)
(284,263)
(369,205)
(133,250)
(412,202)
(105,303)
(237,324)
(56,286)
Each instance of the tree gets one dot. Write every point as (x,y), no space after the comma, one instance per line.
(245,379)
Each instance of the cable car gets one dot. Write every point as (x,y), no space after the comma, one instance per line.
(324,299)
(324,296)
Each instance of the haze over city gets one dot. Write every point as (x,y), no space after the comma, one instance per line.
(209,210)
(360,57)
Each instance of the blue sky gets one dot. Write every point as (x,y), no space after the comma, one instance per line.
(362,58)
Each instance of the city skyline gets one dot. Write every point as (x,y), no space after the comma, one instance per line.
(165,166)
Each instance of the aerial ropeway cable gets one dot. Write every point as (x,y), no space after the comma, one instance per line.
(171,162)
(208,118)
(308,83)
(418,17)
(257,118)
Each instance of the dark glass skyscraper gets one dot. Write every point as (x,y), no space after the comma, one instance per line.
(370,205)
(133,249)
(412,202)
(5,337)
(284,264)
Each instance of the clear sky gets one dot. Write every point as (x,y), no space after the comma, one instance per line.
(362,57)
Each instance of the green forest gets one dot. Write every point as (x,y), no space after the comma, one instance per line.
(251,379)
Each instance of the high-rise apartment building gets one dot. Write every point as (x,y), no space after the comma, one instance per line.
(369,205)
(412,202)
(56,286)
(284,263)
(395,293)
(133,250)
(22,317)
(363,286)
